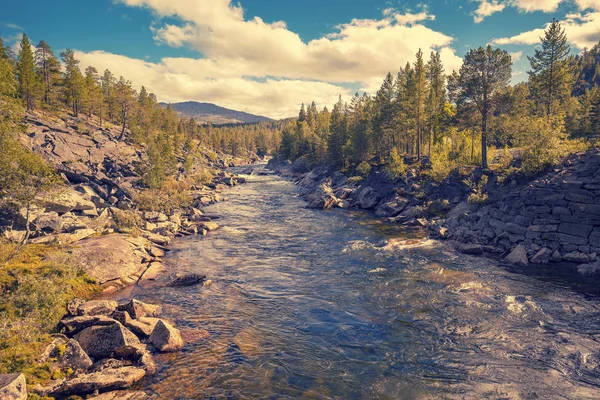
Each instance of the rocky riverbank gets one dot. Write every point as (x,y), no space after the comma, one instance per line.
(550,218)
(97,219)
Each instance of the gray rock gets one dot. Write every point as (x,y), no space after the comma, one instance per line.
(166,338)
(471,248)
(143,327)
(122,395)
(321,198)
(137,309)
(542,257)
(187,280)
(102,341)
(75,325)
(13,387)
(576,257)
(109,363)
(518,256)
(109,379)
(97,307)
(366,198)
(209,226)
(66,200)
(75,357)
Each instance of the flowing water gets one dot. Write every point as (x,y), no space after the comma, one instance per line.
(331,304)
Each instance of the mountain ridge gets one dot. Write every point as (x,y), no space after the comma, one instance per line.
(217,115)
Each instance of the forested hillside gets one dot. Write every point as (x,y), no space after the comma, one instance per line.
(468,117)
(212,113)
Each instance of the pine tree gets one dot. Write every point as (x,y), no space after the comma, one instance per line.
(108,84)
(384,119)
(437,96)
(73,81)
(302,114)
(421,92)
(339,134)
(3,52)
(484,72)
(48,70)
(551,76)
(92,97)
(125,97)
(26,74)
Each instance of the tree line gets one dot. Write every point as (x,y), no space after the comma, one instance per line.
(455,118)
(36,79)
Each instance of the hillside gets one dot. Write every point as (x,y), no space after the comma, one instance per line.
(208,112)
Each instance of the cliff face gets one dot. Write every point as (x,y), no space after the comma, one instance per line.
(556,217)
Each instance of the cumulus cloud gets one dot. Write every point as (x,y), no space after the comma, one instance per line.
(487,8)
(581,29)
(263,67)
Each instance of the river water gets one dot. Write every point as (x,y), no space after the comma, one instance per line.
(334,305)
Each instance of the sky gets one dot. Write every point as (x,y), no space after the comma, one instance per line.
(268,56)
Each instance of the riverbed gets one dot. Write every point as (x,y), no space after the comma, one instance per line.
(335,305)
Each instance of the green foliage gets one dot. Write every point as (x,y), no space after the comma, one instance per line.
(364,169)
(479,195)
(28,82)
(395,166)
(35,287)
(171,196)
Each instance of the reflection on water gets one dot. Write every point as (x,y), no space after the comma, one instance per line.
(332,305)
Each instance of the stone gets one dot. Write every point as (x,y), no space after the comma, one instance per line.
(75,357)
(570,239)
(576,257)
(48,222)
(154,216)
(515,228)
(321,198)
(366,198)
(470,248)
(581,230)
(108,363)
(108,379)
(542,257)
(518,256)
(76,236)
(166,338)
(186,280)
(138,309)
(77,324)
(542,228)
(101,341)
(143,327)
(15,236)
(556,256)
(209,226)
(13,387)
(66,200)
(392,208)
(560,211)
(73,306)
(589,268)
(97,307)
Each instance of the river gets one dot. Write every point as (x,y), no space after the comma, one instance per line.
(334,305)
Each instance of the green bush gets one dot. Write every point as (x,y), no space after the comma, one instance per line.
(363,169)
(395,166)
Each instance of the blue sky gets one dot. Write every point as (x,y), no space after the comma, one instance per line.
(267,56)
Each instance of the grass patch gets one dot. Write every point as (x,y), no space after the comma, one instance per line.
(35,286)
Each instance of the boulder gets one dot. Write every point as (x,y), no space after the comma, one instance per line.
(77,324)
(75,357)
(97,307)
(366,198)
(67,200)
(108,363)
(153,216)
(392,208)
(322,198)
(471,248)
(109,379)
(13,387)
(542,257)
(49,222)
(143,327)
(209,226)
(138,309)
(518,256)
(186,280)
(73,306)
(102,341)
(166,338)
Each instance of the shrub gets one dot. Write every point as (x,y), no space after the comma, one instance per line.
(363,169)
(478,196)
(395,167)
(354,179)
(173,195)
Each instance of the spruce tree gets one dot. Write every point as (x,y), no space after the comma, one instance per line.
(421,92)
(437,96)
(484,73)
(551,75)
(48,70)
(26,73)
(73,81)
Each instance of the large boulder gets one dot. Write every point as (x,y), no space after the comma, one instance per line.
(143,327)
(518,256)
(75,325)
(122,395)
(13,387)
(97,307)
(75,357)
(166,338)
(186,280)
(209,226)
(392,208)
(138,309)
(366,198)
(106,380)
(66,200)
(102,341)
(48,222)
(322,198)
(112,257)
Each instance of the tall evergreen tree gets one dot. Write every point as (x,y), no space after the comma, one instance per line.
(384,120)
(437,96)
(551,75)
(26,73)
(484,72)
(3,52)
(73,81)
(92,95)
(108,84)
(48,70)
(339,134)
(421,92)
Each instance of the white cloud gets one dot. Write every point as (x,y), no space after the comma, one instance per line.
(264,67)
(582,31)
(487,8)
(537,5)
(516,56)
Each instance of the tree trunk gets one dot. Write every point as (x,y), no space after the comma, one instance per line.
(124,124)
(484,162)
(419,142)
(27,228)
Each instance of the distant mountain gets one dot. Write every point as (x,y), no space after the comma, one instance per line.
(208,112)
